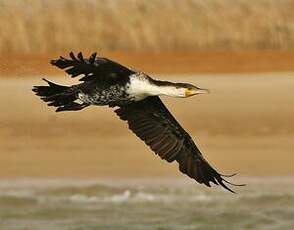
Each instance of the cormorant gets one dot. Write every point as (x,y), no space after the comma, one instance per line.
(136,96)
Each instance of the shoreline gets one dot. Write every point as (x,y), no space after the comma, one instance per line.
(176,63)
(247,133)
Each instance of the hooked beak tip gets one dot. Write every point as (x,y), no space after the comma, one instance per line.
(202,91)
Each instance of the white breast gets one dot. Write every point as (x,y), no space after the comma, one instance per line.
(139,87)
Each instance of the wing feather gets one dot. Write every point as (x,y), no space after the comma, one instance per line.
(93,68)
(151,121)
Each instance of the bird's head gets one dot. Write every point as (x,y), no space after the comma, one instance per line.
(188,90)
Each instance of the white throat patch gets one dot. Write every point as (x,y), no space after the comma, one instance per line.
(139,86)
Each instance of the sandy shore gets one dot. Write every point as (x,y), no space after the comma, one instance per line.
(168,63)
(245,125)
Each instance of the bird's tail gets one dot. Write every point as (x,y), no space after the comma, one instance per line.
(62,97)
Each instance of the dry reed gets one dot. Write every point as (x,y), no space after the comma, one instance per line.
(44,26)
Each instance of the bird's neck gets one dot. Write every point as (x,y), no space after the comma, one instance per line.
(142,87)
(163,90)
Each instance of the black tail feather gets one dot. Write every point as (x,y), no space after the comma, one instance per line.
(71,107)
(59,96)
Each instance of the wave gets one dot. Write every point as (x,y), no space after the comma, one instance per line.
(164,204)
(101,192)
(126,196)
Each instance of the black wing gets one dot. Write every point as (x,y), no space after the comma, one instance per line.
(91,68)
(151,121)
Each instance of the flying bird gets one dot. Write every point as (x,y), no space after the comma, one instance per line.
(135,96)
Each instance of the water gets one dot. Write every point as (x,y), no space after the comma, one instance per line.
(265,203)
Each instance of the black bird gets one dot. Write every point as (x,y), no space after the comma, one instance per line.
(105,82)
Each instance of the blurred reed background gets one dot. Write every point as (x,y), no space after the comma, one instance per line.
(44,26)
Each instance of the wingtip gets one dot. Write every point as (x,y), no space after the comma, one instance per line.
(239,185)
(92,58)
(228,175)
(221,183)
(80,56)
(53,62)
(73,57)
(35,89)
(47,81)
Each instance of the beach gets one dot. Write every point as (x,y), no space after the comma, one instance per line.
(245,125)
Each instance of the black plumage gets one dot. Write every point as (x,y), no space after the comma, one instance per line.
(151,121)
(105,82)
(95,68)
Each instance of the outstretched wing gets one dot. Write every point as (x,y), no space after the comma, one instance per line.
(151,121)
(91,68)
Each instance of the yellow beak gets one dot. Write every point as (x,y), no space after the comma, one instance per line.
(191,92)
